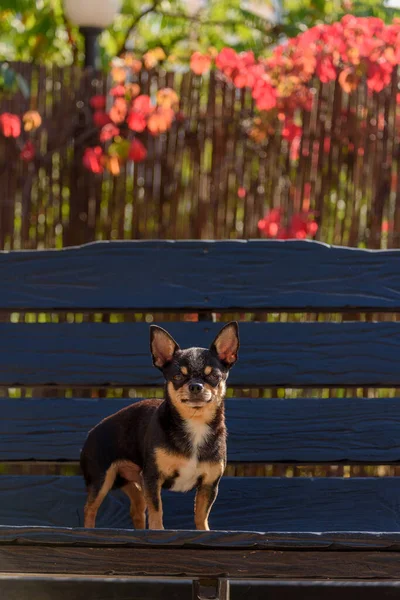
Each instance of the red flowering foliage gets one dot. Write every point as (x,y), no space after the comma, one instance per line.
(352,50)
(10,125)
(300,226)
(117,118)
(136,121)
(291,131)
(108,132)
(92,159)
(129,114)
(101,118)
(200,63)
(137,152)
(98,102)
(118,90)
(28,151)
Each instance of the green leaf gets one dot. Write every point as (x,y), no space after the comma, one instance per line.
(120,149)
(8,81)
(23,85)
(9,76)
(15,5)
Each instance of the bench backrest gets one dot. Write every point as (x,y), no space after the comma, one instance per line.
(248,280)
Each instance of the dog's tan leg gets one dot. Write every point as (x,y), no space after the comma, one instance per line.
(205,498)
(138,505)
(94,499)
(206,493)
(154,505)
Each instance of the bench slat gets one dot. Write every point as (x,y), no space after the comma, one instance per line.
(205,540)
(120,561)
(252,504)
(294,275)
(81,587)
(86,588)
(260,430)
(281,354)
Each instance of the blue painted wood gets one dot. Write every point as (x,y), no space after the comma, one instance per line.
(260,430)
(271,354)
(226,275)
(243,504)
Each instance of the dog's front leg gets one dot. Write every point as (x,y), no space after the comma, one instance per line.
(205,498)
(152,492)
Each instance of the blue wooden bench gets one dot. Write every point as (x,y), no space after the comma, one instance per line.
(292,537)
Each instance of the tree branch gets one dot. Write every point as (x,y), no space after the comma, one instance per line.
(193,18)
(134,23)
(211,22)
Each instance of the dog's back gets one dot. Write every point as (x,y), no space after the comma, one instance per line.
(116,439)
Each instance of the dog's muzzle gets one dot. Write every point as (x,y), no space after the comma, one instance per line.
(198,395)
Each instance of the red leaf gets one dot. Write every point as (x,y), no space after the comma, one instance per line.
(10,125)
(160,120)
(270,225)
(136,121)
(100,118)
(92,159)
(241,80)
(291,131)
(143,104)
(295,149)
(118,111)
(137,152)
(379,76)
(264,95)
(227,60)
(200,63)
(32,120)
(108,132)
(312,228)
(118,90)
(326,70)
(348,80)
(28,151)
(98,102)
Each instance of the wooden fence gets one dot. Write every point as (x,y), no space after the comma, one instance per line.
(205,178)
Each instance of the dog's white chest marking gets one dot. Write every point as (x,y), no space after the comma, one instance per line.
(188,476)
(190,472)
(198,433)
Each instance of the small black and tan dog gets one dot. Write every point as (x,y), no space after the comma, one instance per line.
(177,443)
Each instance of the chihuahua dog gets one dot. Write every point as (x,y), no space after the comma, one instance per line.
(177,443)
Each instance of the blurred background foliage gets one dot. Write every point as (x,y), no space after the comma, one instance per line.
(37,30)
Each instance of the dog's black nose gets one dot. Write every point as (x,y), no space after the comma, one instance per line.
(196,388)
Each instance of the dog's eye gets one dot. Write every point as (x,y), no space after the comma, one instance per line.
(178,377)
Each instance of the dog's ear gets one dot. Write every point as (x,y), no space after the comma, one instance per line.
(226,344)
(162,346)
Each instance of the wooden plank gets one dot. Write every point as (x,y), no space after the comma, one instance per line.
(15,587)
(314,590)
(290,275)
(211,540)
(245,504)
(281,354)
(260,430)
(240,564)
